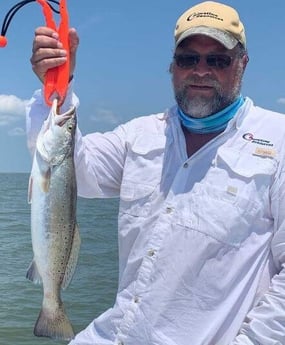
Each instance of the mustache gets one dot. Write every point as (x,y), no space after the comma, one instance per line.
(202,81)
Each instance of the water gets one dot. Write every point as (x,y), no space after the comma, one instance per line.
(94,285)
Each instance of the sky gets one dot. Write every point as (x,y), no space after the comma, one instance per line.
(122,63)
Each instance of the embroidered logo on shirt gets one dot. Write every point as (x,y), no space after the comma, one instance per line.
(250,137)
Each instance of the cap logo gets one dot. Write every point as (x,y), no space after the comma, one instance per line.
(204,15)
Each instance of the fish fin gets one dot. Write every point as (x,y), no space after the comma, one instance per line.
(54,325)
(33,273)
(45,183)
(73,258)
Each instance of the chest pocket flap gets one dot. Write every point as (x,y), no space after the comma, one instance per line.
(246,164)
(142,173)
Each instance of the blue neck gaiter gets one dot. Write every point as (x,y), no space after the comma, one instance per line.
(213,123)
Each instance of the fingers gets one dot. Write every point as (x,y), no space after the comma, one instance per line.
(73,45)
(48,52)
(73,40)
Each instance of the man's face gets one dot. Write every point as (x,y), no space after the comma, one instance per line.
(202,90)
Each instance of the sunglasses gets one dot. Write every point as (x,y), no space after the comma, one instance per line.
(218,61)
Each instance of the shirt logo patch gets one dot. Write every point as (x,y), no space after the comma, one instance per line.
(250,137)
(265,152)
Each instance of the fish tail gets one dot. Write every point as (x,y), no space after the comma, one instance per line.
(54,325)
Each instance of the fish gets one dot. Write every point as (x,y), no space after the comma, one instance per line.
(54,230)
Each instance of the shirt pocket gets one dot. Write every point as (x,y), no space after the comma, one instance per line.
(142,175)
(243,174)
(219,215)
(232,202)
(136,198)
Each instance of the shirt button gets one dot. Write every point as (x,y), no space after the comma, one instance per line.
(185,165)
(169,210)
(136,299)
(120,342)
(151,252)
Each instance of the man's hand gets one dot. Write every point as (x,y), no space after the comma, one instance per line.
(48,51)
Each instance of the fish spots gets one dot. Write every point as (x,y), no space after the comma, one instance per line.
(53,192)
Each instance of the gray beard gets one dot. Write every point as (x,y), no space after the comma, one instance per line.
(201,106)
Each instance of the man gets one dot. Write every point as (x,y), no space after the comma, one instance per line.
(202,197)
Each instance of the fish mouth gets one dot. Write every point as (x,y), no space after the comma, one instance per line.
(60,119)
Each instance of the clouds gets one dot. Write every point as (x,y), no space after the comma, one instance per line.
(105,116)
(16,132)
(281,101)
(12,114)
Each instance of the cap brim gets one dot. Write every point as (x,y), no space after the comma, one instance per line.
(223,37)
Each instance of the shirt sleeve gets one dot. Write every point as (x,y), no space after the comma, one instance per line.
(99,160)
(265,323)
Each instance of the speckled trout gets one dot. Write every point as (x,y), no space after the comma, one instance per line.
(55,235)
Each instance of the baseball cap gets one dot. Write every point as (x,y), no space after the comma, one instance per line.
(213,19)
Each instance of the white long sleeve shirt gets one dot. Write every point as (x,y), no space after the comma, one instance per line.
(201,239)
